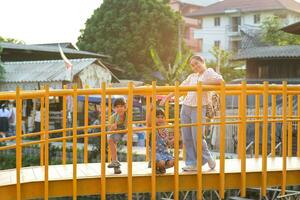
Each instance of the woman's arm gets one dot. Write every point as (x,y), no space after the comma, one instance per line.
(210,77)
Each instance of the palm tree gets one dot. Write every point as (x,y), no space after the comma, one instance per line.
(174,72)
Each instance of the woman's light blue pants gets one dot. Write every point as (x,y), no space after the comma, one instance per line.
(188,115)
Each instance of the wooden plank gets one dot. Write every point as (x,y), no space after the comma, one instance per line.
(65,172)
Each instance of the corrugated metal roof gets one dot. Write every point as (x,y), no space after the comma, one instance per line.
(42,71)
(247,6)
(291,51)
(48,48)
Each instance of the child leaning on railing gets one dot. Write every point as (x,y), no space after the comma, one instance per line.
(164,159)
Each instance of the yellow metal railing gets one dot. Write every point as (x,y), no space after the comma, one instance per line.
(265,116)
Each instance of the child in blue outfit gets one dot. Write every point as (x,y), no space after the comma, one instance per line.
(164,159)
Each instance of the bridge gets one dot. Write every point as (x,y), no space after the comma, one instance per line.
(266,169)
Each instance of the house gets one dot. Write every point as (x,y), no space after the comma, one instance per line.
(222,22)
(265,62)
(31,75)
(186,7)
(31,66)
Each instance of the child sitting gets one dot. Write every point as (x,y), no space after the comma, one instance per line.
(164,159)
(118,121)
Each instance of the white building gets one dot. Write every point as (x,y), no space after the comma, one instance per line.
(222,21)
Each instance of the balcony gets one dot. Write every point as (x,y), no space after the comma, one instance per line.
(233,30)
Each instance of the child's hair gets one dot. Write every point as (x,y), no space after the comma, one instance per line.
(119,101)
(160,111)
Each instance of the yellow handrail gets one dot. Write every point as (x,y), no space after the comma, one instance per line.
(267,115)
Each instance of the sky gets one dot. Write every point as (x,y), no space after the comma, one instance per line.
(45,21)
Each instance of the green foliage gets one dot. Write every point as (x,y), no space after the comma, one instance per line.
(228,68)
(11,40)
(2,70)
(127,29)
(174,72)
(272,34)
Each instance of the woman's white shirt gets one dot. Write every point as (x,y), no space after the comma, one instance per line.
(209,76)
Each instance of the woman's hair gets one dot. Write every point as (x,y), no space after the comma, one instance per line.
(160,111)
(198,57)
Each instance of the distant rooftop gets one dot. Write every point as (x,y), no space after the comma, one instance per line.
(292,28)
(269,52)
(199,2)
(247,6)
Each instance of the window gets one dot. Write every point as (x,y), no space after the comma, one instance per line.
(256,19)
(217,43)
(217,21)
(235,45)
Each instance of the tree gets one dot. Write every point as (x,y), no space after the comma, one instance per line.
(126,30)
(272,34)
(171,73)
(222,60)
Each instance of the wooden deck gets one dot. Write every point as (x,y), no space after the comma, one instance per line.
(88,177)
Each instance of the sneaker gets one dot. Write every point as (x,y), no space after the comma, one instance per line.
(117,170)
(190,168)
(211,163)
(114,164)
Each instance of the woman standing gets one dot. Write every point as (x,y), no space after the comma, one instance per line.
(188,112)
(4,115)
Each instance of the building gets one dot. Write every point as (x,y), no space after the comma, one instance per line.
(186,7)
(31,66)
(32,75)
(266,62)
(222,22)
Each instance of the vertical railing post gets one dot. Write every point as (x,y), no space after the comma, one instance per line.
(265,139)
(86,124)
(257,125)
(129,139)
(290,124)
(244,136)
(199,140)
(153,142)
(273,127)
(298,128)
(46,137)
(176,142)
(148,110)
(167,108)
(109,102)
(42,128)
(64,125)
(284,130)
(74,142)
(103,140)
(240,133)
(222,140)
(18,142)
